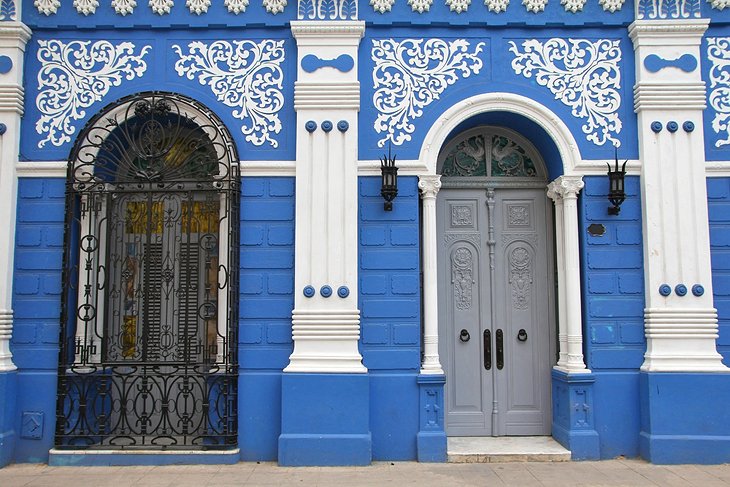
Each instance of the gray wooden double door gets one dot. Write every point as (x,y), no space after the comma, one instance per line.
(496,312)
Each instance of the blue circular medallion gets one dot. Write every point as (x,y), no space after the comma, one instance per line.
(698,290)
(6,64)
(680,289)
(665,290)
(308,291)
(343,291)
(656,126)
(3,128)
(688,126)
(325,291)
(327,125)
(311,126)
(343,125)
(672,126)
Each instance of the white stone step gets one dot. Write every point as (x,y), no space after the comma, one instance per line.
(490,449)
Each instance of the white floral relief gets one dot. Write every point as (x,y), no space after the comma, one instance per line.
(611,5)
(161,7)
(458,6)
(76,74)
(197,7)
(583,75)
(236,6)
(243,75)
(520,277)
(410,74)
(535,6)
(382,6)
(274,6)
(719,4)
(462,277)
(124,7)
(420,6)
(47,7)
(497,6)
(86,7)
(718,53)
(573,5)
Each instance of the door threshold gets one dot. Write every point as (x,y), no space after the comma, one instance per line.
(495,449)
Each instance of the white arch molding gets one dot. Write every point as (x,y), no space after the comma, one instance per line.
(563,191)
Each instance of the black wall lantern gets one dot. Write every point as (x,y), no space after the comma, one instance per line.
(616,194)
(389,186)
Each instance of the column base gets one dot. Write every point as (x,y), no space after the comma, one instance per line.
(431,438)
(325,420)
(685,418)
(573,418)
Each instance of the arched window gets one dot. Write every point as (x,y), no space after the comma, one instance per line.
(148,352)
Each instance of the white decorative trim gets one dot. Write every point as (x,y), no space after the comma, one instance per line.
(57,169)
(244,75)
(236,6)
(124,7)
(325,95)
(458,6)
(719,4)
(718,53)
(717,169)
(611,5)
(47,7)
(274,6)
(582,74)
(573,5)
(86,7)
(535,6)
(41,169)
(76,74)
(161,7)
(497,6)
(420,6)
(6,332)
(198,7)
(411,74)
(382,6)
(597,167)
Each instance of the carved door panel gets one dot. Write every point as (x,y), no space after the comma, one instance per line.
(495,320)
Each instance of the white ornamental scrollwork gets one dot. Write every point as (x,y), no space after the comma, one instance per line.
(327,9)
(520,277)
(274,6)
(718,53)
(76,74)
(47,7)
(161,7)
(582,74)
(573,5)
(244,75)
(420,6)
(124,7)
(197,7)
(410,74)
(535,5)
(611,5)
(458,6)
(719,4)
(236,6)
(86,7)
(382,6)
(462,277)
(497,6)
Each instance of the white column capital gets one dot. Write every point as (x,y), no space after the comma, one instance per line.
(565,187)
(429,184)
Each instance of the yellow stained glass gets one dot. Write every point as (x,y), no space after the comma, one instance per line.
(129,336)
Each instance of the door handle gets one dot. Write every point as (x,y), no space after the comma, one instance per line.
(500,349)
(487,349)
(464,335)
(522,335)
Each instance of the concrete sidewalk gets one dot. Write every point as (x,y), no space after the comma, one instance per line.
(609,472)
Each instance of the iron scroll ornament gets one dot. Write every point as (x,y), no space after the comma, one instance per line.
(148,337)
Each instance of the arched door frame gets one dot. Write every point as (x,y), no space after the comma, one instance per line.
(562,190)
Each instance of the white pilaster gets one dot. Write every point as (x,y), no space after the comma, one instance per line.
(680,327)
(13,38)
(326,328)
(429,186)
(564,192)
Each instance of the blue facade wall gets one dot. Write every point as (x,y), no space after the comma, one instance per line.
(718,195)
(613,312)
(37,307)
(390,309)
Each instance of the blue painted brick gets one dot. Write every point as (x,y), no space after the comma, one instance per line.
(407,186)
(372,235)
(52,285)
(265,308)
(27,236)
(267,210)
(48,334)
(605,239)
(628,234)
(404,283)
(719,236)
(40,212)
(53,235)
(281,235)
(373,284)
(614,259)
(598,210)
(404,235)
(595,186)
(371,209)
(723,308)
(281,284)
(278,334)
(250,334)
(389,259)
(630,283)
(56,188)
(26,285)
(632,333)
(390,308)
(369,186)
(252,187)
(719,212)
(720,260)
(602,283)
(37,260)
(721,284)
(281,186)
(252,235)
(616,307)
(603,334)
(406,334)
(632,186)
(251,283)
(375,334)
(718,188)
(257,258)
(30,188)
(38,308)
(23,333)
